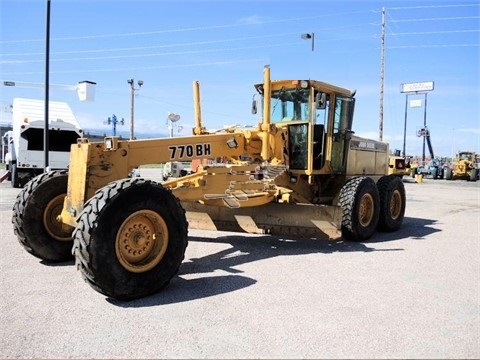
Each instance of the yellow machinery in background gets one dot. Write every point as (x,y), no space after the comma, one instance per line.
(465,166)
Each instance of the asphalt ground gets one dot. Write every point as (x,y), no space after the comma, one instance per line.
(414,293)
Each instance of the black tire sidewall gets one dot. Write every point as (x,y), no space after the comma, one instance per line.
(36,236)
(350,200)
(387,185)
(473,175)
(448,174)
(110,277)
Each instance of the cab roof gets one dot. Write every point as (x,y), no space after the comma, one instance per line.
(318,85)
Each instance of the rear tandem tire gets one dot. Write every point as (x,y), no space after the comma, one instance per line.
(360,203)
(34,218)
(448,174)
(130,238)
(392,203)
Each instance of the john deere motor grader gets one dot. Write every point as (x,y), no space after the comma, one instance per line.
(300,171)
(463,167)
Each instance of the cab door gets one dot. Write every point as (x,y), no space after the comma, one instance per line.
(342,125)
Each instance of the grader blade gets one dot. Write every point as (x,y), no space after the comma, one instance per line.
(301,220)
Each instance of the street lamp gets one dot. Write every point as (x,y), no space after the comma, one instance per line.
(308,36)
(132,104)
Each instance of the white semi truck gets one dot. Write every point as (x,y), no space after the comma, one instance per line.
(25,157)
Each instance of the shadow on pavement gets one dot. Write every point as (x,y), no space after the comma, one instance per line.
(245,250)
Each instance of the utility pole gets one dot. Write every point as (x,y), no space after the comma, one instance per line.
(132,104)
(382,75)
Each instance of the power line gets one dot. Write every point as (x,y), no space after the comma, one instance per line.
(157,46)
(207,42)
(435,32)
(213,63)
(189,52)
(437,19)
(432,46)
(212,27)
(431,6)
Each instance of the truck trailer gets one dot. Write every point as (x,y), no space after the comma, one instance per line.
(25,157)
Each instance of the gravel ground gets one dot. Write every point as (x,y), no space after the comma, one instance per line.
(410,294)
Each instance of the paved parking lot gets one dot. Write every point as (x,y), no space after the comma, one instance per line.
(410,294)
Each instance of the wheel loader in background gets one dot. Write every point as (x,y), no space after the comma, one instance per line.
(301,171)
(463,167)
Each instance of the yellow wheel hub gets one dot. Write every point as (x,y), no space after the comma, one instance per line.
(395,204)
(56,229)
(142,241)
(366,210)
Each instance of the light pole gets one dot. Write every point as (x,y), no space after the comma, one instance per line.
(46,138)
(132,104)
(308,36)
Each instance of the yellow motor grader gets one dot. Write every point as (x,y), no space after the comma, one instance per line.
(300,171)
(463,167)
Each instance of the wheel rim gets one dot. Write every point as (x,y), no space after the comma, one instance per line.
(142,240)
(366,210)
(395,204)
(56,229)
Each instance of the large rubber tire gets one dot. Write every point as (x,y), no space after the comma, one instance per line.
(130,238)
(473,175)
(34,218)
(360,203)
(392,203)
(448,174)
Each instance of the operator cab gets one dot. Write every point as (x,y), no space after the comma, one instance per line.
(312,112)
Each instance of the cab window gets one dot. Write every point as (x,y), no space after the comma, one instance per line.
(290,105)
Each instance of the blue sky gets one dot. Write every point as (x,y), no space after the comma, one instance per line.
(225,45)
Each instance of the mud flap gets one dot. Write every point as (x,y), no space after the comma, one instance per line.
(301,220)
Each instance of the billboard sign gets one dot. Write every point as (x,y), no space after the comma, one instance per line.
(416,87)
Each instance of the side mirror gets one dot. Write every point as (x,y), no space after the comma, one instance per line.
(254,105)
(321,100)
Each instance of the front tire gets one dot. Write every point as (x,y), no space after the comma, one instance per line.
(360,203)
(473,175)
(392,203)
(130,239)
(448,174)
(35,218)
